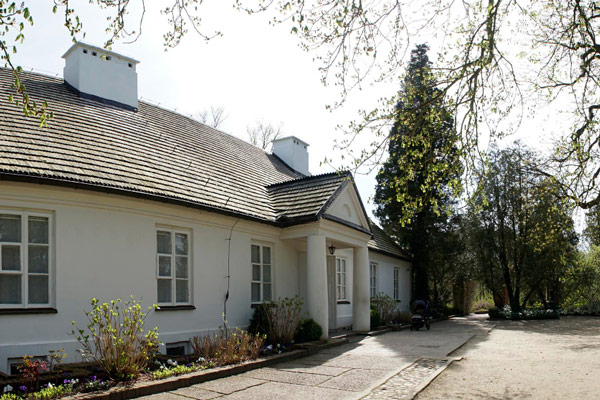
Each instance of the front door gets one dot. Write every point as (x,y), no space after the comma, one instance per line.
(331,294)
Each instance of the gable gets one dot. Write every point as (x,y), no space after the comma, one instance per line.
(348,207)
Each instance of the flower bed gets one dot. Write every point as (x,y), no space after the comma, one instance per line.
(506,313)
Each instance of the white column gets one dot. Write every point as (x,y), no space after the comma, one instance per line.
(361,313)
(316,281)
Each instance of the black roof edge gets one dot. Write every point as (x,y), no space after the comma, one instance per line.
(129,193)
(347,223)
(387,253)
(305,178)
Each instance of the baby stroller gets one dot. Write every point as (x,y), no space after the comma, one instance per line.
(420,317)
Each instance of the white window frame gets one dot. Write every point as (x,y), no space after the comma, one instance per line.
(173,276)
(373,281)
(341,278)
(24,259)
(261,264)
(396,283)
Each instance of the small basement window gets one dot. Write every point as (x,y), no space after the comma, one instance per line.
(85,51)
(15,364)
(108,58)
(130,65)
(177,348)
(94,53)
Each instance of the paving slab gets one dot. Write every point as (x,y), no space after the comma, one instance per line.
(193,392)
(275,375)
(355,380)
(278,390)
(228,385)
(312,369)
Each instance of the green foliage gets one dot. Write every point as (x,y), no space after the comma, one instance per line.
(51,392)
(524,314)
(259,323)
(226,348)
(385,306)
(418,183)
(164,372)
(308,330)
(581,283)
(375,319)
(115,338)
(10,396)
(482,305)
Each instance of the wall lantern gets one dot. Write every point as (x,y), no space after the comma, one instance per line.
(331,250)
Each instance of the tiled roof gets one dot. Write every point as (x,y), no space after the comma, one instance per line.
(158,154)
(154,152)
(305,197)
(382,243)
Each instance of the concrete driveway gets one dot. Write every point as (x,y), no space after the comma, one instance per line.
(390,366)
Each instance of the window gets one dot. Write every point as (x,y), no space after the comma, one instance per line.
(261,287)
(373,279)
(24,259)
(340,273)
(172,267)
(396,283)
(177,348)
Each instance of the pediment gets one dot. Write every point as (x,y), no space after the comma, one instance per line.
(347,207)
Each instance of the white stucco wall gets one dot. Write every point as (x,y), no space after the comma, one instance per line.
(105,247)
(385,277)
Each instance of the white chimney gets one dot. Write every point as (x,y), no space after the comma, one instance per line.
(293,152)
(101,75)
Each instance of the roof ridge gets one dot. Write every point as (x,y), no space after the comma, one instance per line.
(310,177)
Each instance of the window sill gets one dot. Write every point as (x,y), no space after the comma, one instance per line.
(343,302)
(175,308)
(40,310)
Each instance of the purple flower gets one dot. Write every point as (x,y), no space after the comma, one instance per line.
(93,378)
(23,388)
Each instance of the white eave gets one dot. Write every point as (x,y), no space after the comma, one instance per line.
(99,50)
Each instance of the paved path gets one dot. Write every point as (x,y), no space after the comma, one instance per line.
(380,367)
(551,359)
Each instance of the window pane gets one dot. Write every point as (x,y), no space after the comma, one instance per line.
(256,272)
(164,266)
(267,292)
(266,255)
(181,291)
(181,244)
(163,242)
(164,290)
(255,292)
(11,258)
(181,267)
(255,254)
(267,273)
(38,230)
(38,289)
(10,289)
(10,228)
(38,259)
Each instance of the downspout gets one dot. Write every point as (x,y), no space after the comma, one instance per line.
(228,277)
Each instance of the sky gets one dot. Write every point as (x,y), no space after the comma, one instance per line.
(255,71)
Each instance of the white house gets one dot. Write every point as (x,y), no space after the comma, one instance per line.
(118,197)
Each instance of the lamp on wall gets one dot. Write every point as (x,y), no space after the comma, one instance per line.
(332,250)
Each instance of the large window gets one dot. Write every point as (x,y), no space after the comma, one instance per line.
(262,280)
(24,259)
(373,279)
(396,283)
(173,267)
(340,273)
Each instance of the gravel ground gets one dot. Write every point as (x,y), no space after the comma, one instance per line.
(552,359)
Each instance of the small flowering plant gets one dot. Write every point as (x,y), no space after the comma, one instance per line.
(115,338)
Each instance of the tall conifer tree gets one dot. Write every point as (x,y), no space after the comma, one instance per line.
(414,195)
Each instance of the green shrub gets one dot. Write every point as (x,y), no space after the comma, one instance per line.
(221,349)
(115,338)
(51,392)
(375,319)
(385,306)
(10,396)
(482,305)
(308,331)
(164,372)
(506,313)
(259,322)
